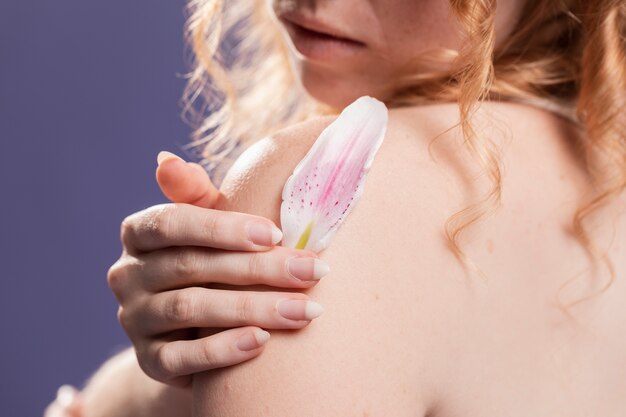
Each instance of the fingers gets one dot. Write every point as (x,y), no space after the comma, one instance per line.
(185,182)
(179,267)
(280,267)
(202,307)
(166,225)
(167,361)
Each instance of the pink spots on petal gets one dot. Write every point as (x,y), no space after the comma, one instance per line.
(339,174)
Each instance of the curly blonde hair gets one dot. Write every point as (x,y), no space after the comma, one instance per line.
(567,56)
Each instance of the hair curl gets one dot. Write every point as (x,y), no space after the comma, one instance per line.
(566,56)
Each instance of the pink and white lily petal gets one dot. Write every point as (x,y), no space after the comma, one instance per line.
(328,181)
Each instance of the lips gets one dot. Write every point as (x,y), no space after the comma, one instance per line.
(317,27)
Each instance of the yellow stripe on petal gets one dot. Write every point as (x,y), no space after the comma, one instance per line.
(304,237)
(328,181)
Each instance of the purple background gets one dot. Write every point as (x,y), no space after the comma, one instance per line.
(89,93)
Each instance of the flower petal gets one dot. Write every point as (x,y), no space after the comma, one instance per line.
(328,181)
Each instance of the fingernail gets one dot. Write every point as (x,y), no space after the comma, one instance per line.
(163,155)
(253,340)
(263,234)
(307,269)
(299,309)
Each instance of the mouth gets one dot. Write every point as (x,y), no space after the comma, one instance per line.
(320,42)
(314,28)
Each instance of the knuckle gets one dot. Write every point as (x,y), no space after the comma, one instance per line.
(121,275)
(244,308)
(166,362)
(115,275)
(158,219)
(122,318)
(211,226)
(180,308)
(209,356)
(145,361)
(255,266)
(152,222)
(128,230)
(185,263)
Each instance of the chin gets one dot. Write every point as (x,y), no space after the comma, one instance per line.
(334,89)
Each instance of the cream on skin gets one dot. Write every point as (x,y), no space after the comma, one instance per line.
(393,33)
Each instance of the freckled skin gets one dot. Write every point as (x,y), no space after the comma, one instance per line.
(399,310)
(405,332)
(395,32)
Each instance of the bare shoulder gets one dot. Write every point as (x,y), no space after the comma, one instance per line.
(262,169)
(402,332)
(258,175)
(367,354)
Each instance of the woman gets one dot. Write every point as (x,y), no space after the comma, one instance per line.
(479,274)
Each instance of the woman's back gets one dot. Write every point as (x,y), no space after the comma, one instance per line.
(405,332)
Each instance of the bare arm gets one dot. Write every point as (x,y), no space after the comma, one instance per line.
(121,389)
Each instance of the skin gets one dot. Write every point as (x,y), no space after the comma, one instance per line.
(406,332)
(441,341)
(394,31)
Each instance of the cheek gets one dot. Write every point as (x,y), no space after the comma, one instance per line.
(413,27)
(508,13)
(403,30)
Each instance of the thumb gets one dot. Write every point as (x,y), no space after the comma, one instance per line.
(185,182)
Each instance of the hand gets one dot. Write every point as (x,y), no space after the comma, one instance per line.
(174,258)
